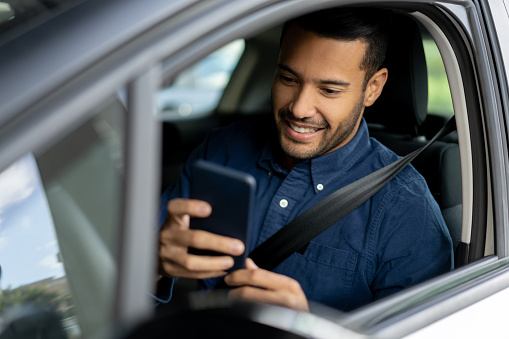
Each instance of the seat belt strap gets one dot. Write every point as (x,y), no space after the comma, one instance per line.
(319,217)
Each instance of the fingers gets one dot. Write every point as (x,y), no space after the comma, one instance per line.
(173,269)
(180,211)
(176,262)
(262,278)
(195,208)
(202,240)
(197,263)
(175,238)
(250,264)
(260,285)
(253,294)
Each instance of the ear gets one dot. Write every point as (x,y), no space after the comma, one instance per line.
(375,86)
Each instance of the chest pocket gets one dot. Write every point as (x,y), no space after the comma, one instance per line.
(325,273)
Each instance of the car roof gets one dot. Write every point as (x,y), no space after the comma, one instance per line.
(17,17)
(44,57)
(41,59)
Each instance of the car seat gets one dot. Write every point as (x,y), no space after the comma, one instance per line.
(399,119)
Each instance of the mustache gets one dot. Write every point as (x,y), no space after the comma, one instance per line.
(285,114)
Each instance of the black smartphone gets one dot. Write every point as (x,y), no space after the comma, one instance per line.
(231,194)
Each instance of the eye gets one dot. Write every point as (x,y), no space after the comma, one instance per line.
(287,79)
(330,91)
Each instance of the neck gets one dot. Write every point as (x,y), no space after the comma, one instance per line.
(288,162)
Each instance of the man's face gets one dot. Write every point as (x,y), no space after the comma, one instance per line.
(318,94)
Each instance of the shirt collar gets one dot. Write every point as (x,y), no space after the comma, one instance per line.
(268,157)
(338,162)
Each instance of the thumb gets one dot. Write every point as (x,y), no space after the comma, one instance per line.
(250,264)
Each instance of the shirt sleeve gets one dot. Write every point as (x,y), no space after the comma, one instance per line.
(212,148)
(413,241)
(179,189)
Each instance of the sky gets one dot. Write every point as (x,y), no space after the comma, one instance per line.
(28,244)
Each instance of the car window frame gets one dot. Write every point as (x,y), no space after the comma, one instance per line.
(492,13)
(459,278)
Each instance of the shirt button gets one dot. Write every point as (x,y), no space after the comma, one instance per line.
(283,203)
(319,187)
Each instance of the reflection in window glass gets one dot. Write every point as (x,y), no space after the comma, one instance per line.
(59,222)
(32,271)
(16,14)
(6,12)
(196,91)
(439,94)
(27,236)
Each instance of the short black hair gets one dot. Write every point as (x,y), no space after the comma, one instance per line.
(370,25)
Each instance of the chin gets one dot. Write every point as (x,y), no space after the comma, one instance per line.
(298,151)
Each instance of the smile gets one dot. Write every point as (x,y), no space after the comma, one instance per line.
(302,129)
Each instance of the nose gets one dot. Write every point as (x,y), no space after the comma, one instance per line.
(303,106)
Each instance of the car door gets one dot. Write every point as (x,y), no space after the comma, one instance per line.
(481,318)
(98,99)
(458,29)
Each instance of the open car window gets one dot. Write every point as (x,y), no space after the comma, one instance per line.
(250,99)
(243,100)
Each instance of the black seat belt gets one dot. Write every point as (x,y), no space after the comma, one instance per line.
(319,217)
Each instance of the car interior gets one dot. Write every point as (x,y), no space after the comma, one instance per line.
(399,119)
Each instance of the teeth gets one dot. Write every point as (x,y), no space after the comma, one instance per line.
(302,130)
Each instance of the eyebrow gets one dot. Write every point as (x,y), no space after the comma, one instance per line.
(320,81)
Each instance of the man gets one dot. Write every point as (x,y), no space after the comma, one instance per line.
(327,73)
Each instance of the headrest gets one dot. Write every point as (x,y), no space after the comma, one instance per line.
(402,106)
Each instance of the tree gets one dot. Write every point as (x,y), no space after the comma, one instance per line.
(33,295)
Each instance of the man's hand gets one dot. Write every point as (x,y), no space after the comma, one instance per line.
(175,238)
(260,285)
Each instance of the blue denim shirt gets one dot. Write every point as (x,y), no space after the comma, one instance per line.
(394,240)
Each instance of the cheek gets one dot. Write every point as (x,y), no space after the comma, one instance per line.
(281,95)
(335,113)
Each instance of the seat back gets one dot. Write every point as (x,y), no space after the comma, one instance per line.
(399,116)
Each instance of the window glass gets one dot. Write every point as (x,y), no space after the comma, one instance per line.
(439,94)
(196,91)
(59,222)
